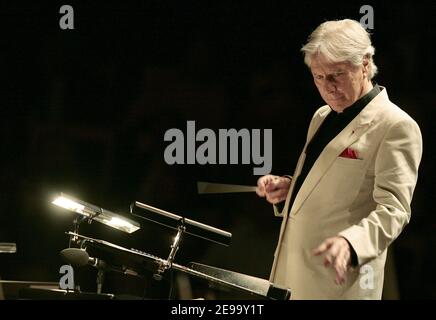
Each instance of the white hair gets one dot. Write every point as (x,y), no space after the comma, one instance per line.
(338,41)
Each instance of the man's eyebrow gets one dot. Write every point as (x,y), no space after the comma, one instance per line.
(338,70)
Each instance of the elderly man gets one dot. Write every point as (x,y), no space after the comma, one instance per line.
(349,197)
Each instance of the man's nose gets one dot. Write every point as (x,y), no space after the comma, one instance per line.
(329,86)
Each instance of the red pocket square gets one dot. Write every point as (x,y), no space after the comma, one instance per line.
(349,153)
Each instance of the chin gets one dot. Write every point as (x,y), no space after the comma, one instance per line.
(338,106)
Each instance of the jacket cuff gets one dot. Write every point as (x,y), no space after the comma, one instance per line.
(355,237)
(278,209)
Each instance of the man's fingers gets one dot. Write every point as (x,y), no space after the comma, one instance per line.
(337,254)
(274,188)
(261,184)
(322,247)
(283,183)
(260,191)
(272,185)
(340,280)
(341,272)
(331,254)
(276,196)
(341,263)
(328,260)
(274,200)
(278,183)
(340,267)
(264,184)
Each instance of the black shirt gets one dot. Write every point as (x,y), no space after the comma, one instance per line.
(329,129)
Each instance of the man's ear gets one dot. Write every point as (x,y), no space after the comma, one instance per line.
(365,65)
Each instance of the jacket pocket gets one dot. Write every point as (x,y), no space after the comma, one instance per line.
(341,161)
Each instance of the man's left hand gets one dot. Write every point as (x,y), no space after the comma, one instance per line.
(337,253)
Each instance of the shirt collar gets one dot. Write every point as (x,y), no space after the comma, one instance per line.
(361,103)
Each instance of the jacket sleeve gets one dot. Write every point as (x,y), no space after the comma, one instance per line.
(396,173)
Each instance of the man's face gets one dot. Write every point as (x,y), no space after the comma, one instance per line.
(340,83)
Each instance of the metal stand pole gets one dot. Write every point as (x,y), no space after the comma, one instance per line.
(174,248)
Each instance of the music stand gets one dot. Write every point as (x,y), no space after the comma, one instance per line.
(214,277)
(182,225)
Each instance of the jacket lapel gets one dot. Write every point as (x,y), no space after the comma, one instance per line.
(313,128)
(353,131)
(319,119)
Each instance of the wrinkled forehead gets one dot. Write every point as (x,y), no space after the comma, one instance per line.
(319,63)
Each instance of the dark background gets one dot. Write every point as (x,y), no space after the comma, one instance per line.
(84,111)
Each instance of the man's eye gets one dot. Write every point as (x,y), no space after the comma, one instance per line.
(317,77)
(337,74)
